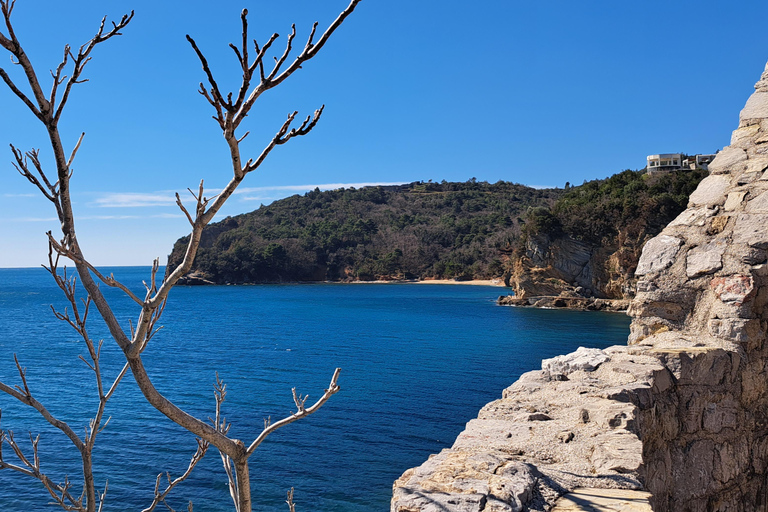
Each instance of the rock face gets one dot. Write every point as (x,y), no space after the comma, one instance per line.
(681,412)
(550,267)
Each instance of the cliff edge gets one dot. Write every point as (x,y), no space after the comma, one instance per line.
(681,412)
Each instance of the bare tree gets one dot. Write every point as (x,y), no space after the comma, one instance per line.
(230,109)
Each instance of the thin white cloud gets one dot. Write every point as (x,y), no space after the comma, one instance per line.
(135,199)
(20,195)
(35,219)
(123,217)
(102,217)
(165,198)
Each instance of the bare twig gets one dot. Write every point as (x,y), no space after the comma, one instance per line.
(202,448)
(289,501)
(333,388)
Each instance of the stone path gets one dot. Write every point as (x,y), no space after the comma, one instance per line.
(603,500)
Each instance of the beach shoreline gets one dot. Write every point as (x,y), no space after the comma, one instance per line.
(472,282)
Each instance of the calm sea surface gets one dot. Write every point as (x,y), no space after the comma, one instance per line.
(418,361)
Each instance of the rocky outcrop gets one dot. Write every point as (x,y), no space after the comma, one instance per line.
(565,302)
(571,425)
(550,266)
(681,412)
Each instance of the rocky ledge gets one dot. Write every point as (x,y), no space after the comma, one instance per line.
(570,425)
(565,302)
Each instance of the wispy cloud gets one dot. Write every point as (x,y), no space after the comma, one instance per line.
(270,193)
(135,199)
(123,217)
(36,219)
(19,195)
(102,217)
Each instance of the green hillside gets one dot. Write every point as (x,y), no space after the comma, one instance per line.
(419,230)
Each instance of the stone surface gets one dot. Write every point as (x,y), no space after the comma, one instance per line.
(734,200)
(658,254)
(603,500)
(705,259)
(693,217)
(710,191)
(584,359)
(751,230)
(728,160)
(756,107)
(758,204)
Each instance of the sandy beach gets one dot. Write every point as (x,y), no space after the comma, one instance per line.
(476,282)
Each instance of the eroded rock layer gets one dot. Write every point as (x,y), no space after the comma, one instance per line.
(681,412)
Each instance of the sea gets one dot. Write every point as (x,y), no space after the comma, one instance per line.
(418,361)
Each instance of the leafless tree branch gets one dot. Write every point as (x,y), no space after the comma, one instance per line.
(202,448)
(230,111)
(289,501)
(301,412)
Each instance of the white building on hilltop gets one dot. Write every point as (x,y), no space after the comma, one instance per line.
(664,162)
(668,162)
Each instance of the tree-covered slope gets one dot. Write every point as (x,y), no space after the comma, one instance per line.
(591,238)
(420,230)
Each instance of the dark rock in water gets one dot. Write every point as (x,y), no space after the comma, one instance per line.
(565,302)
(194,279)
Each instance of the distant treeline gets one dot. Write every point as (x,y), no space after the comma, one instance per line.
(428,230)
(420,230)
(628,202)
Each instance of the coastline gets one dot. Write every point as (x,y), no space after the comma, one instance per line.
(473,282)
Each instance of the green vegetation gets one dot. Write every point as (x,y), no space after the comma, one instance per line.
(429,230)
(631,202)
(420,230)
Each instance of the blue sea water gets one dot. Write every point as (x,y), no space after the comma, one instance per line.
(418,361)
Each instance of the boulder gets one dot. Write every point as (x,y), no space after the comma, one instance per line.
(584,359)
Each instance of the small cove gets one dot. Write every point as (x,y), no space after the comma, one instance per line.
(417,364)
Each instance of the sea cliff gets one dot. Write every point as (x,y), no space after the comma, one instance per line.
(681,412)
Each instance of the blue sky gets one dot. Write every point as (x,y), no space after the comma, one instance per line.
(539,93)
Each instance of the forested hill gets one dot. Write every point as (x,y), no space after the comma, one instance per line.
(419,230)
(590,241)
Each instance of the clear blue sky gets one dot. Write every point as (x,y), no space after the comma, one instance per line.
(538,93)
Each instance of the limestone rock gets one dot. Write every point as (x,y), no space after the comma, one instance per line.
(751,230)
(693,217)
(758,204)
(705,259)
(735,288)
(711,190)
(756,107)
(583,359)
(658,254)
(728,160)
(734,200)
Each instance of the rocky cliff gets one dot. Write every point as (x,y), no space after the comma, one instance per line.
(562,265)
(680,414)
(589,242)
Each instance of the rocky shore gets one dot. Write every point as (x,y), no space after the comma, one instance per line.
(565,302)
